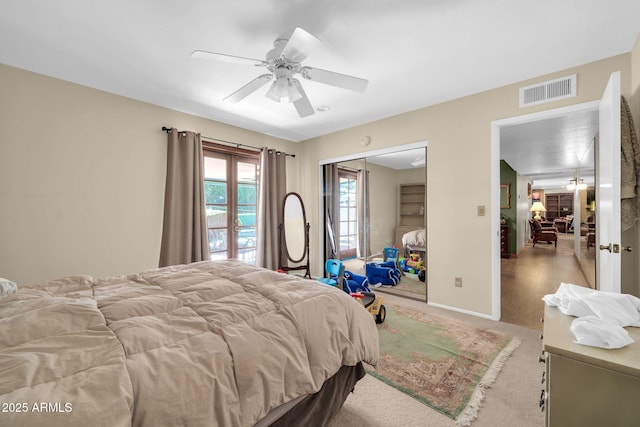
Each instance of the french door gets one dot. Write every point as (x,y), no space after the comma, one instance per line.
(231,189)
(348,217)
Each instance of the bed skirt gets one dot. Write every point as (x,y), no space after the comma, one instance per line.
(319,408)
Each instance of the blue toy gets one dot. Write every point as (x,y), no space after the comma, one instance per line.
(385,273)
(355,283)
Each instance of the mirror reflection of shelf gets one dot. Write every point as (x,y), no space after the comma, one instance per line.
(412,200)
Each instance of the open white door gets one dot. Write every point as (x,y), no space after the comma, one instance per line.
(608,235)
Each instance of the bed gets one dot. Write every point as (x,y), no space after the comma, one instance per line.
(415,241)
(214,343)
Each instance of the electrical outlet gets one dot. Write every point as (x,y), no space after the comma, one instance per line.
(458,282)
(480,210)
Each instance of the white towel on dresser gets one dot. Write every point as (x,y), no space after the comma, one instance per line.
(7,287)
(601,316)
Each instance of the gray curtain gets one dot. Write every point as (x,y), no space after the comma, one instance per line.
(184,228)
(272,188)
(630,168)
(364,237)
(332,207)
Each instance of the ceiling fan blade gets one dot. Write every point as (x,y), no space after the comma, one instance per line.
(202,54)
(334,79)
(300,44)
(249,88)
(303,105)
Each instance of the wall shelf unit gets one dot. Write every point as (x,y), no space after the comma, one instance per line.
(558,205)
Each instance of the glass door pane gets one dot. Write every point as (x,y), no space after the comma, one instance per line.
(245,215)
(216,202)
(348,226)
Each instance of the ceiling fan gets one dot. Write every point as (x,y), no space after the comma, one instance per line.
(284,62)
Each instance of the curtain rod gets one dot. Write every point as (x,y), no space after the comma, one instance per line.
(237,144)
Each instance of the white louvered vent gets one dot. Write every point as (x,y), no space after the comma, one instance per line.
(552,90)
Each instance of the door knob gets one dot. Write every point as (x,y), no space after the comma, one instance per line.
(613,248)
(627,248)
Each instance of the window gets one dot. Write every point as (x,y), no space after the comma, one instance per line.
(348,228)
(231,197)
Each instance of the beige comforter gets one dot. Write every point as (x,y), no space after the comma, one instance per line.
(207,344)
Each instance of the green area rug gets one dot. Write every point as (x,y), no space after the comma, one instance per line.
(444,363)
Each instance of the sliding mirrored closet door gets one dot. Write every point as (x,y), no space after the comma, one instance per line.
(365,211)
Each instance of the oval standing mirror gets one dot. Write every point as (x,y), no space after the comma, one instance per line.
(294,234)
(294,228)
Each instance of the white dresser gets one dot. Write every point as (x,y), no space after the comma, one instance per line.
(588,386)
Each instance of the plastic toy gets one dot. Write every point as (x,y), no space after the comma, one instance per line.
(385,273)
(414,261)
(355,283)
(358,287)
(373,303)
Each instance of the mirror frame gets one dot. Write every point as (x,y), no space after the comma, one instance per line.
(505,196)
(284,265)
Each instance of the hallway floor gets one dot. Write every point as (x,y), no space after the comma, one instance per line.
(534,273)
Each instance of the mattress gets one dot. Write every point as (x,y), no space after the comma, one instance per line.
(415,238)
(216,343)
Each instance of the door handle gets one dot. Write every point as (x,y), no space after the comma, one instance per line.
(627,248)
(614,248)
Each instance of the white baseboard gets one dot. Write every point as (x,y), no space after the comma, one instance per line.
(460,310)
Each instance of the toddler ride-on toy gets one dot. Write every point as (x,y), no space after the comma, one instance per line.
(358,287)
(372,303)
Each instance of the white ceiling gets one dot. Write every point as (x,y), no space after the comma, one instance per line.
(415,53)
(400,160)
(552,151)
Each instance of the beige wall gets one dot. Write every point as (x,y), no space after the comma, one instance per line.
(82,177)
(458,175)
(382,193)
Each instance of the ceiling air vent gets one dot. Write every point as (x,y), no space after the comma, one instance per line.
(552,90)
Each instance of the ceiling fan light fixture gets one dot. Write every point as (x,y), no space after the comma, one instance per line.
(283,90)
(284,62)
